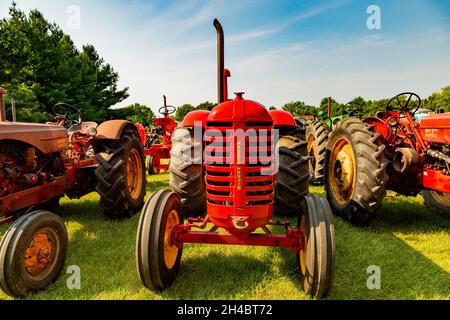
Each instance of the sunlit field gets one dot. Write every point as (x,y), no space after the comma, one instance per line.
(410,244)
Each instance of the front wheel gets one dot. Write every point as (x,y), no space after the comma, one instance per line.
(32,253)
(437,201)
(152,165)
(316,261)
(121,175)
(157,258)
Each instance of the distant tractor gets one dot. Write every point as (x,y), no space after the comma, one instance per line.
(389,151)
(157,153)
(317,134)
(236,187)
(40,163)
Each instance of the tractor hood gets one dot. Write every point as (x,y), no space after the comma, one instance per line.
(240,110)
(436,128)
(436,121)
(45,137)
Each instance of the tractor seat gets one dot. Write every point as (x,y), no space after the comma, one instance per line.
(83,127)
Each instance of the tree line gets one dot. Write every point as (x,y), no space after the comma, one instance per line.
(40,66)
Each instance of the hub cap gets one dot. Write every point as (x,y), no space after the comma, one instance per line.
(304,230)
(312,152)
(342,171)
(39,254)
(134,174)
(170,250)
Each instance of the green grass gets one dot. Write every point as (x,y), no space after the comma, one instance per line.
(407,241)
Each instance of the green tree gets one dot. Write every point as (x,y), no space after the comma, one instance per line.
(205,106)
(136,113)
(356,107)
(298,108)
(183,111)
(36,56)
(439,100)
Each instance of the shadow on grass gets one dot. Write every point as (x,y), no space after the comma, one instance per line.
(406,273)
(217,276)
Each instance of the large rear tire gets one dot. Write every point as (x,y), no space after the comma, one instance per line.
(121,175)
(292,179)
(317,138)
(157,259)
(316,262)
(32,253)
(437,201)
(355,171)
(187,173)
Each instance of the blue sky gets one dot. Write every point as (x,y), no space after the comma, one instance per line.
(277,51)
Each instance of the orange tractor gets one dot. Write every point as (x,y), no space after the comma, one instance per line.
(389,151)
(40,163)
(158,154)
(230,170)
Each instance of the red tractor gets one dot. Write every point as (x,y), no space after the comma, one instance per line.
(224,170)
(158,154)
(389,151)
(40,163)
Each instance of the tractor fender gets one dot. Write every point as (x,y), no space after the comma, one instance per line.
(142,133)
(282,118)
(380,126)
(113,129)
(195,116)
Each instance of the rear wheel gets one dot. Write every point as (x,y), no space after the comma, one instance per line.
(157,258)
(316,261)
(355,171)
(32,253)
(187,173)
(437,201)
(292,179)
(121,175)
(317,138)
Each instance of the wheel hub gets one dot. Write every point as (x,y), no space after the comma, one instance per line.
(170,250)
(38,254)
(343,170)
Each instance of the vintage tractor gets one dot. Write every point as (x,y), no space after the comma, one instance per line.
(158,154)
(317,134)
(388,151)
(40,163)
(235,187)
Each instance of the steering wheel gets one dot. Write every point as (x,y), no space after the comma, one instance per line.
(63,110)
(170,110)
(403,106)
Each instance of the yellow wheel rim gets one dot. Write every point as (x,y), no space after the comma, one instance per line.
(170,250)
(342,170)
(134,174)
(304,230)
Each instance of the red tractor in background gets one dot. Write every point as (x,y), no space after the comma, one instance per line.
(158,154)
(389,151)
(39,164)
(225,170)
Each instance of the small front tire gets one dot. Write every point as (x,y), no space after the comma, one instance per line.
(157,258)
(32,253)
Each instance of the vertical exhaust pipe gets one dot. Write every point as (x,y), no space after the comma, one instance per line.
(2,105)
(329,108)
(220,62)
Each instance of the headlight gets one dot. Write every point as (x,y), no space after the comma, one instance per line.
(92,131)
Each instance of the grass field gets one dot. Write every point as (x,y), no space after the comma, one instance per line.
(407,241)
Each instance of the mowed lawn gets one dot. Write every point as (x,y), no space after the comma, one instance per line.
(409,243)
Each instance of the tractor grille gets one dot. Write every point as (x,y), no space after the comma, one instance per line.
(239,160)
